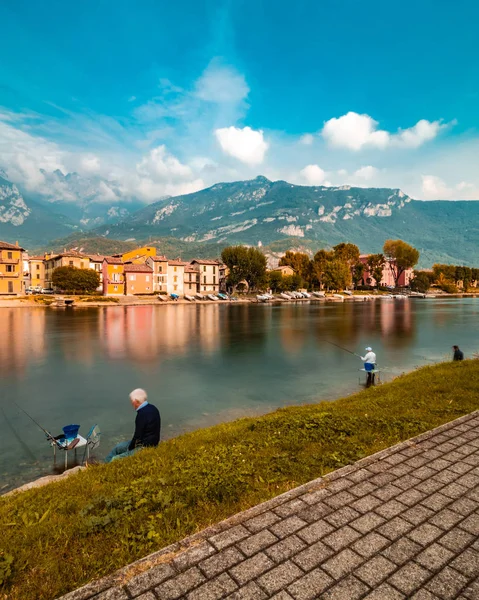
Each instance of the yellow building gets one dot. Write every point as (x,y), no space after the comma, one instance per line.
(36,272)
(138,255)
(113,276)
(70,258)
(11,268)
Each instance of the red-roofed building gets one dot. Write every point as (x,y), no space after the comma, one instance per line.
(208,275)
(113,276)
(159,266)
(11,268)
(138,279)
(176,277)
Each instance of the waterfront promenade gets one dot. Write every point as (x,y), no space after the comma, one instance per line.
(403,523)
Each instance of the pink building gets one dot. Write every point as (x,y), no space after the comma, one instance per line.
(388,276)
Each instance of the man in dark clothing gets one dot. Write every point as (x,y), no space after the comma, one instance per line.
(147,427)
(458,354)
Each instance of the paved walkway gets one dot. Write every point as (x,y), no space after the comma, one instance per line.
(403,523)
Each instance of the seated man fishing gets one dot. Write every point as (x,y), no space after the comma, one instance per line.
(147,427)
(369,365)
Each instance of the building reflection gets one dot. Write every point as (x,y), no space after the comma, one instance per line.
(22,332)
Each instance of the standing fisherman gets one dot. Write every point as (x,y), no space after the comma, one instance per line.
(369,361)
(458,354)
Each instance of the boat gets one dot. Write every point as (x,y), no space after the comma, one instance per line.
(222,296)
(319,294)
(212,297)
(338,296)
(285,296)
(190,298)
(162,298)
(348,292)
(262,298)
(199,297)
(306,294)
(174,296)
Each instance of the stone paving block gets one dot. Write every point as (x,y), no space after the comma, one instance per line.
(286,548)
(429,486)
(411,497)
(339,485)
(361,474)
(385,592)
(424,472)
(417,461)
(370,544)
(314,512)
(179,586)
(439,464)
(310,586)
(471,592)
(446,519)
(343,563)
(447,584)
(424,534)
(470,460)
(315,532)
(367,522)
(147,596)
(467,563)
(390,509)
(399,470)
(454,490)
(315,497)
(149,579)
(112,594)
(313,555)
(251,568)
(261,521)
(395,458)
(282,596)
(388,492)
(341,499)
(401,551)
(463,506)
(350,588)
(287,526)
(258,541)
(470,480)
(434,557)
(417,514)
(279,577)
(460,467)
(375,570)
(407,481)
(214,589)
(366,503)
(341,537)
(456,539)
(361,489)
(290,508)
(221,562)
(384,478)
(471,524)
(409,578)
(229,537)
(193,556)
(424,595)
(395,528)
(250,591)
(341,517)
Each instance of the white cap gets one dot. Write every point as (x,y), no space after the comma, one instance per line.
(368,349)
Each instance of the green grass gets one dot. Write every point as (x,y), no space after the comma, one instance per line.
(58,537)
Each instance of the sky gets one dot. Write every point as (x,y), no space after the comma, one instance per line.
(166,97)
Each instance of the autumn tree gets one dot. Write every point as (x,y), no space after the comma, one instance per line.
(275,281)
(346,252)
(320,260)
(421,282)
(71,279)
(245,264)
(401,256)
(336,275)
(357,273)
(376,264)
(299,262)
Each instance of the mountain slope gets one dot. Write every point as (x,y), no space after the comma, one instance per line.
(261,211)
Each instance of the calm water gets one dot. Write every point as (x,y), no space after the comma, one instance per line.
(200,364)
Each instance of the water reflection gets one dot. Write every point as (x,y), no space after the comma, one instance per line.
(199,363)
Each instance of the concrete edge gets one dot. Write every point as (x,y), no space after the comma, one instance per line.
(121,576)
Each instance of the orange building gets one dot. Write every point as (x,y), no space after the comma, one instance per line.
(11,268)
(113,276)
(138,255)
(36,272)
(138,279)
(159,265)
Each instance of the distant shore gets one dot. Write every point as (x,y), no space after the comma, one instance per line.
(85,301)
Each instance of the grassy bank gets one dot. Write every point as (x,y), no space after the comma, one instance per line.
(60,536)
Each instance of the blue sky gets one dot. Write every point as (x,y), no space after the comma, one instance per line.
(168,97)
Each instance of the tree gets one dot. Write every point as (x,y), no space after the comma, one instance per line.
(376,267)
(347,252)
(401,256)
(291,282)
(275,281)
(245,264)
(337,275)
(421,282)
(357,273)
(320,260)
(444,272)
(299,262)
(71,279)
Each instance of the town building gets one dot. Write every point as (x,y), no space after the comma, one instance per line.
(176,277)
(113,276)
(285,270)
(387,279)
(11,269)
(138,279)
(67,258)
(191,280)
(36,272)
(159,266)
(138,255)
(96,264)
(208,275)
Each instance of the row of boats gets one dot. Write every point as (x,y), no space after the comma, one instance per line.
(341,297)
(214,297)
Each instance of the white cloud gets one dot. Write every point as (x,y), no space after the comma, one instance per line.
(307,139)
(220,84)
(159,164)
(313,175)
(355,132)
(366,173)
(90,163)
(435,188)
(246,144)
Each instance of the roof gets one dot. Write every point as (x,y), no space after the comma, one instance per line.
(35,258)
(67,253)
(177,263)
(158,258)
(190,269)
(7,246)
(113,260)
(205,261)
(136,268)
(281,267)
(96,257)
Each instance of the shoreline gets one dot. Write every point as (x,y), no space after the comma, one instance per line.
(13,302)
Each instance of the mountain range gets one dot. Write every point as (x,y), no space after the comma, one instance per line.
(276,215)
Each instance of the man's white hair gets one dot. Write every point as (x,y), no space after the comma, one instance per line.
(139,395)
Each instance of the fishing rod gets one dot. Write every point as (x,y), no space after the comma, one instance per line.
(341,348)
(47,433)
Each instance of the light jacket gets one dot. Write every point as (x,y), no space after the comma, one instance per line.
(369,358)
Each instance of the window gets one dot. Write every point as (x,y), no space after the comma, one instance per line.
(160,269)
(38,267)
(132,277)
(214,270)
(214,279)
(81,265)
(10,268)
(204,279)
(175,278)
(10,287)
(148,279)
(115,266)
(204,268)
(70,263)
(175,287)
(115,288)
(204,288)
(175,269)
(190,276)
(9,255)
(38,275)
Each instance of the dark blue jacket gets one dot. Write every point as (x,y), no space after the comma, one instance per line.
(147,427)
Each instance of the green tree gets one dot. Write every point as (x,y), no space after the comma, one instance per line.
(320,260)
(376,264)
(444,272)
(421,282)
(357,273)
(300,263)
(337,275)
(347,252)
(275,281)
(245,264)
(71,279)
(401,256)
(291,282)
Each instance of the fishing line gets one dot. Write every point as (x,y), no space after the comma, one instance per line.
(342,348)
(47,433)
(18,438)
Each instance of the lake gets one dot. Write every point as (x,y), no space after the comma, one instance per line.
(200,364)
